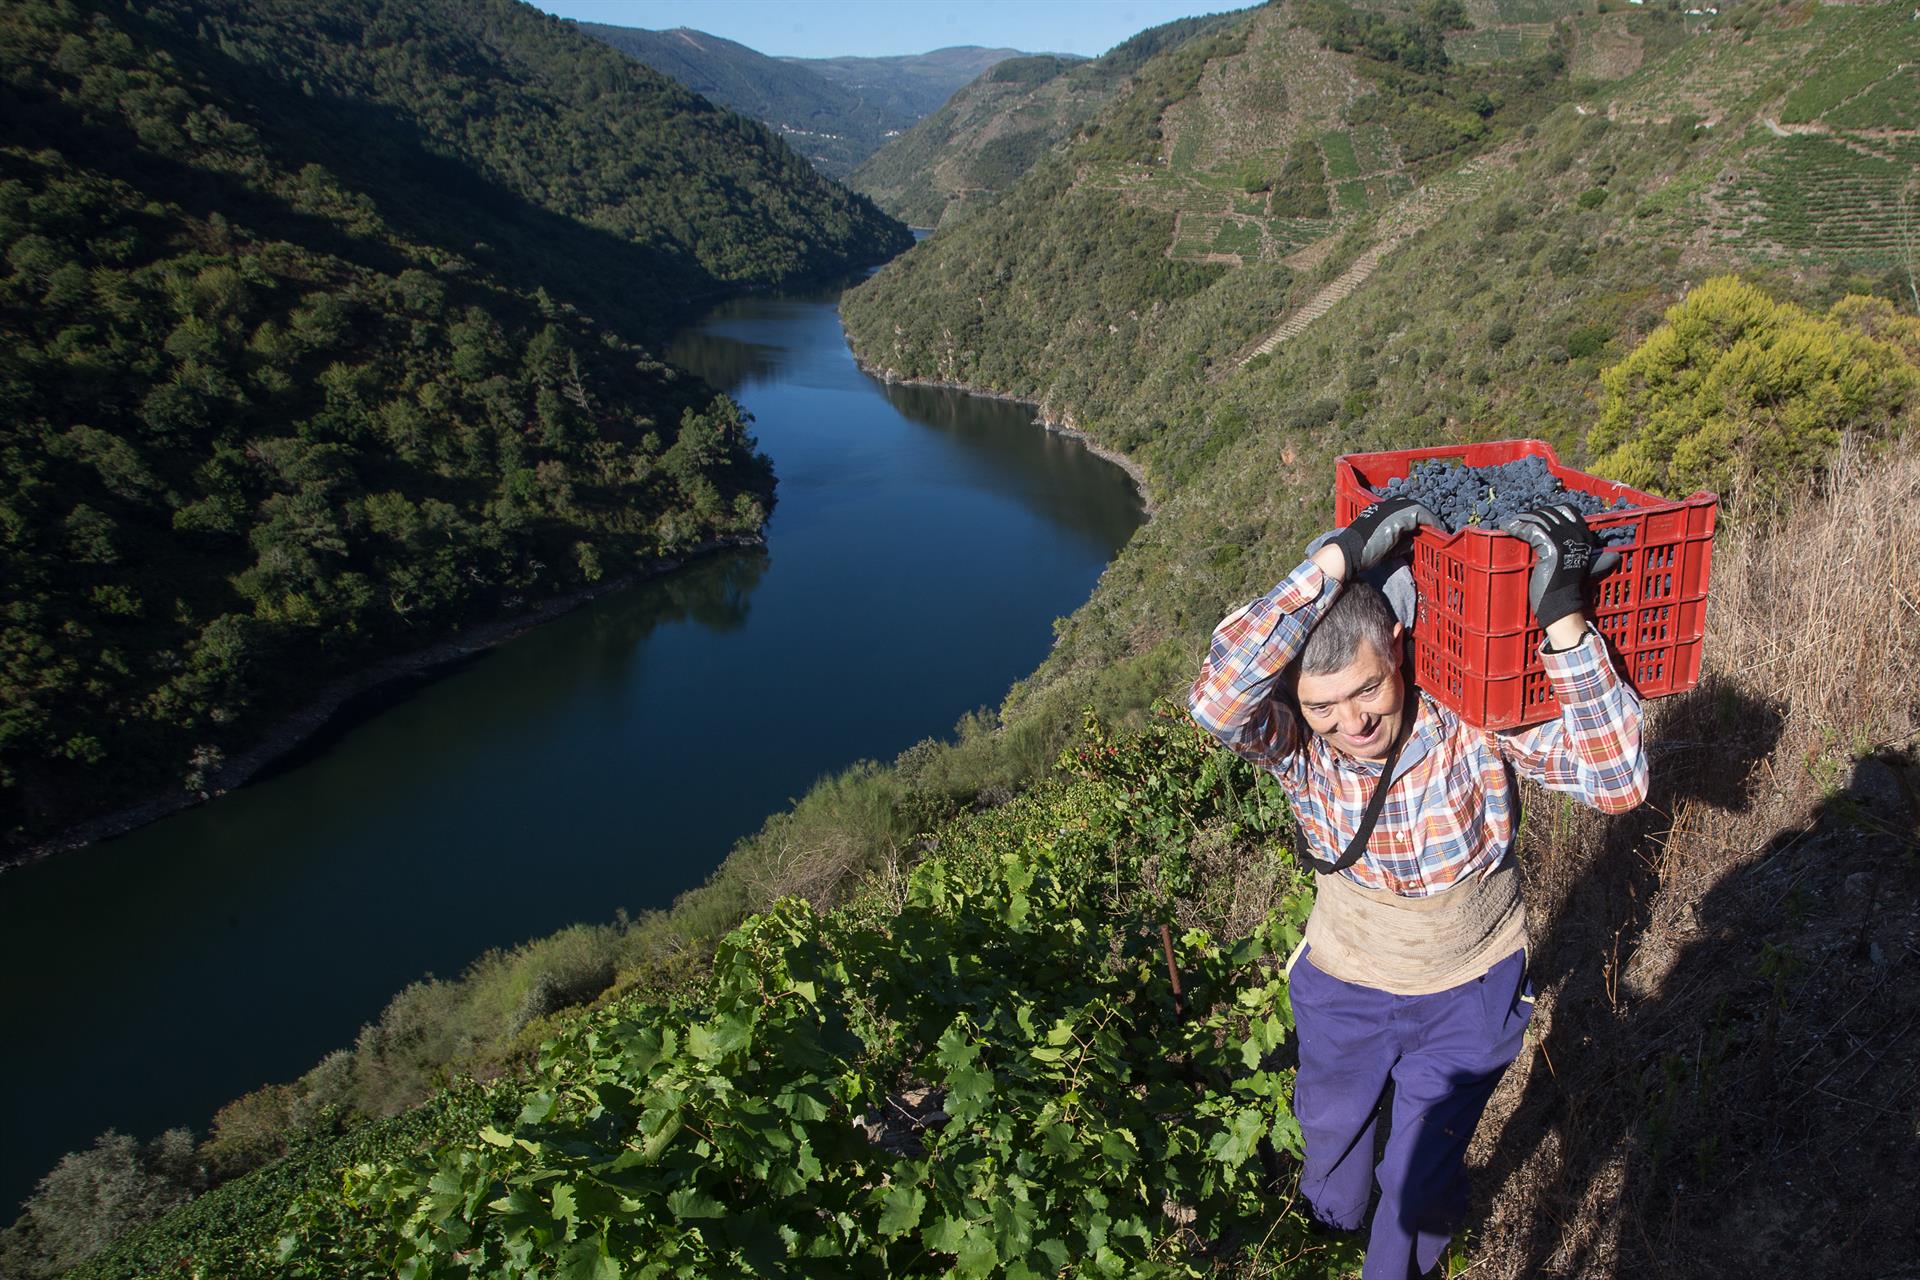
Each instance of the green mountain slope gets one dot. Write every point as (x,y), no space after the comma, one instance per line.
(1526,248)
(823,121)
(908,86)
(1128,285)
(992,131)
(320,335)
(834,111)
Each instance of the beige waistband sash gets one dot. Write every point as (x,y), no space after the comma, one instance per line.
(1416,946)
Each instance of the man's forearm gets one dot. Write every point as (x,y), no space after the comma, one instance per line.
(1595,749)
(1233,696)
(1332,561)
(1566,632)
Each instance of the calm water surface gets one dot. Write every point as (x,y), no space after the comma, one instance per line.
(922,545)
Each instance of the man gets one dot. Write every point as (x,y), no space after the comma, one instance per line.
(1413,971)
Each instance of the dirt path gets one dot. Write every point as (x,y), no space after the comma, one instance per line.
(1410,216)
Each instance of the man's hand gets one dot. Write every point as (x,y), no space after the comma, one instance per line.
(1375,532)
(1566,554)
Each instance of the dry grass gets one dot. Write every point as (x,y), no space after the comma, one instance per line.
(821,870)
(1241,885)
(1822,615)
(1725,1075)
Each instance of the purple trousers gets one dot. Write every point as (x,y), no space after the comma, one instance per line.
(1443,1054)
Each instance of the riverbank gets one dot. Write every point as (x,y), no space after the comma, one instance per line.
(320,712)
(589,767)
(1059,424)
(1063,426)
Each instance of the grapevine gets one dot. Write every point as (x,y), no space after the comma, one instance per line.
(987,1078)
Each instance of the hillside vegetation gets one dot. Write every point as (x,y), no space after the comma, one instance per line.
(989,133)
(322,337)
(822,120)
(1000,1021)
(1727,976)
(908,85)
(837,112)
(1000,1026)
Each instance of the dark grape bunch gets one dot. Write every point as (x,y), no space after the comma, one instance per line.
(1486,497)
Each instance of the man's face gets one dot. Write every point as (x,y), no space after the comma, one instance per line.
(1359,707)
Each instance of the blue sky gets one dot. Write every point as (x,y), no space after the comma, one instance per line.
(826,28)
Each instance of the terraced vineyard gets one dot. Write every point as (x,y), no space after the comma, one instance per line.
(1217,171)
(1891,102)
(1828,194)
(1822,136)
(1237,239)
(1407,219)
(1871,64)
(1493,44)
(1758,73)
(1501,30)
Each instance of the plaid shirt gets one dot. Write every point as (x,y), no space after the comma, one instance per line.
(1451,808)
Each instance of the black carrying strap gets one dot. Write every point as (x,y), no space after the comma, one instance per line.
(1361,833)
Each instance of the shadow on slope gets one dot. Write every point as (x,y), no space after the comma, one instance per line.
(1726,1083)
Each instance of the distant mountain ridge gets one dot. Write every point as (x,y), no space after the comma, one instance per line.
(819,119)
(990,132)
(834,111)
(909,86)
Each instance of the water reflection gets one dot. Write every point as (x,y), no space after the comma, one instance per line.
(1044,467)
(725,362)
(714,592)
(764,349)
(792,341)
(923,543)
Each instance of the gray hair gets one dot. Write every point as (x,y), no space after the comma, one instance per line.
(1360,616)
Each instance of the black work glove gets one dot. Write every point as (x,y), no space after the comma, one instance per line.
(1376,531)
(1566,554)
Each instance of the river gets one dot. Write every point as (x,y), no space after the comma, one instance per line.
(923,542)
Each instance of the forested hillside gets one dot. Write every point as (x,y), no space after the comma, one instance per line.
(323,334)
(834,128)
(992,131)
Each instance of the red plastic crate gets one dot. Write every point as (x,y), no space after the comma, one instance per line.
(1475,643)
